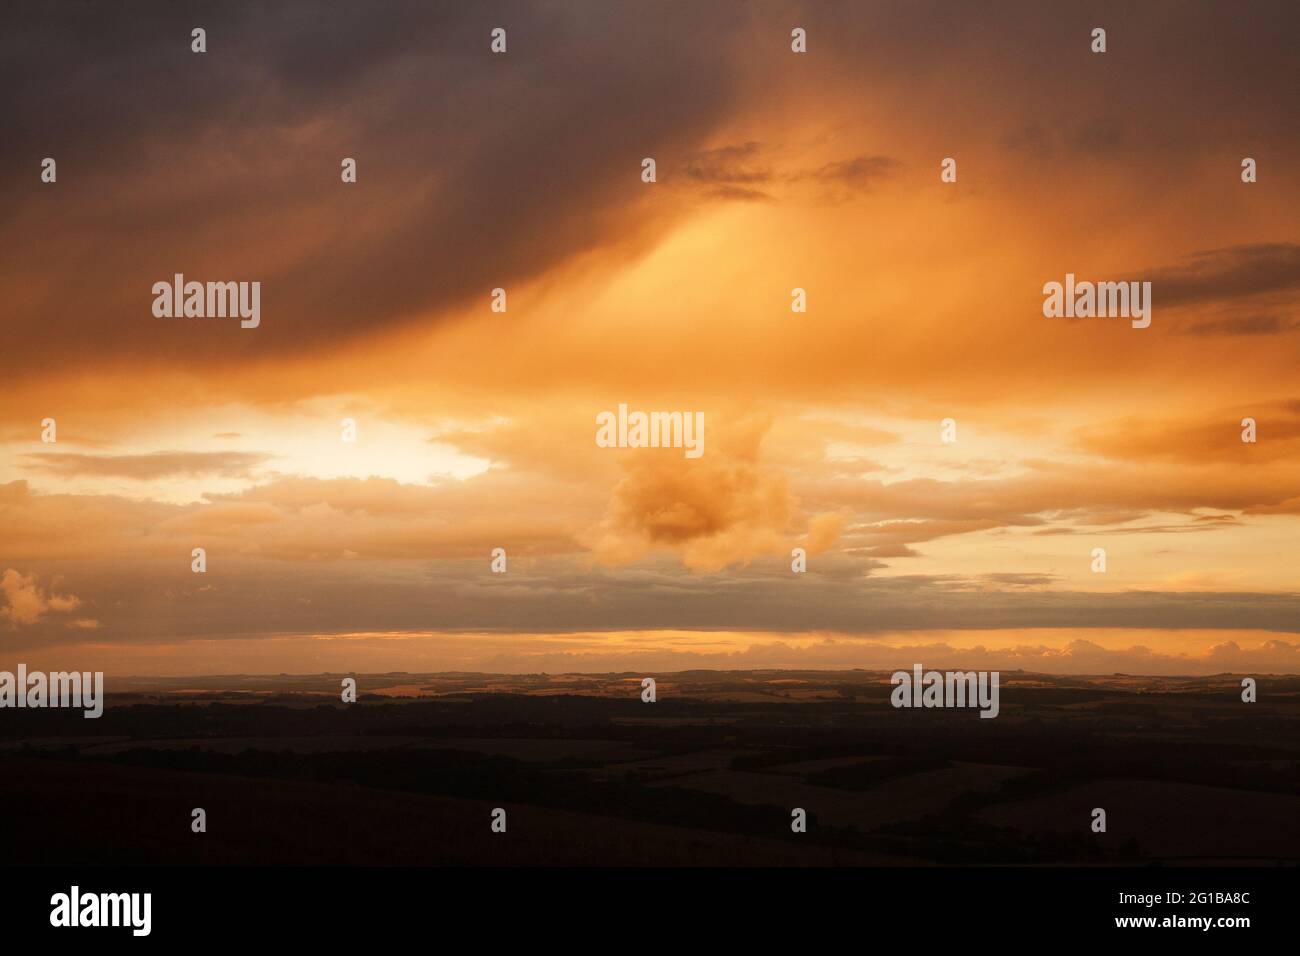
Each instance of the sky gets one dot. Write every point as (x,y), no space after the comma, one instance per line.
(476,429)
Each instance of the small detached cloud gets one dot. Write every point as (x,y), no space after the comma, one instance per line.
(27,602)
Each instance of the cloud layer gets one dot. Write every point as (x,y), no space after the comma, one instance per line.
(775,171)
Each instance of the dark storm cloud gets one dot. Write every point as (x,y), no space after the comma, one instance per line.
(475,170)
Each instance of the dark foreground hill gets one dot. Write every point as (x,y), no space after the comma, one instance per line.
(101,813)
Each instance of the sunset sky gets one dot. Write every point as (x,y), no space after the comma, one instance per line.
(476,429)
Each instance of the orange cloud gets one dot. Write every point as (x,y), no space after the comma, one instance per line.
(28,602)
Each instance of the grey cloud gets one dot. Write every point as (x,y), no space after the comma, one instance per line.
(750,170)
(1236,272)
(731,165)
(1256,323)
(146,601)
